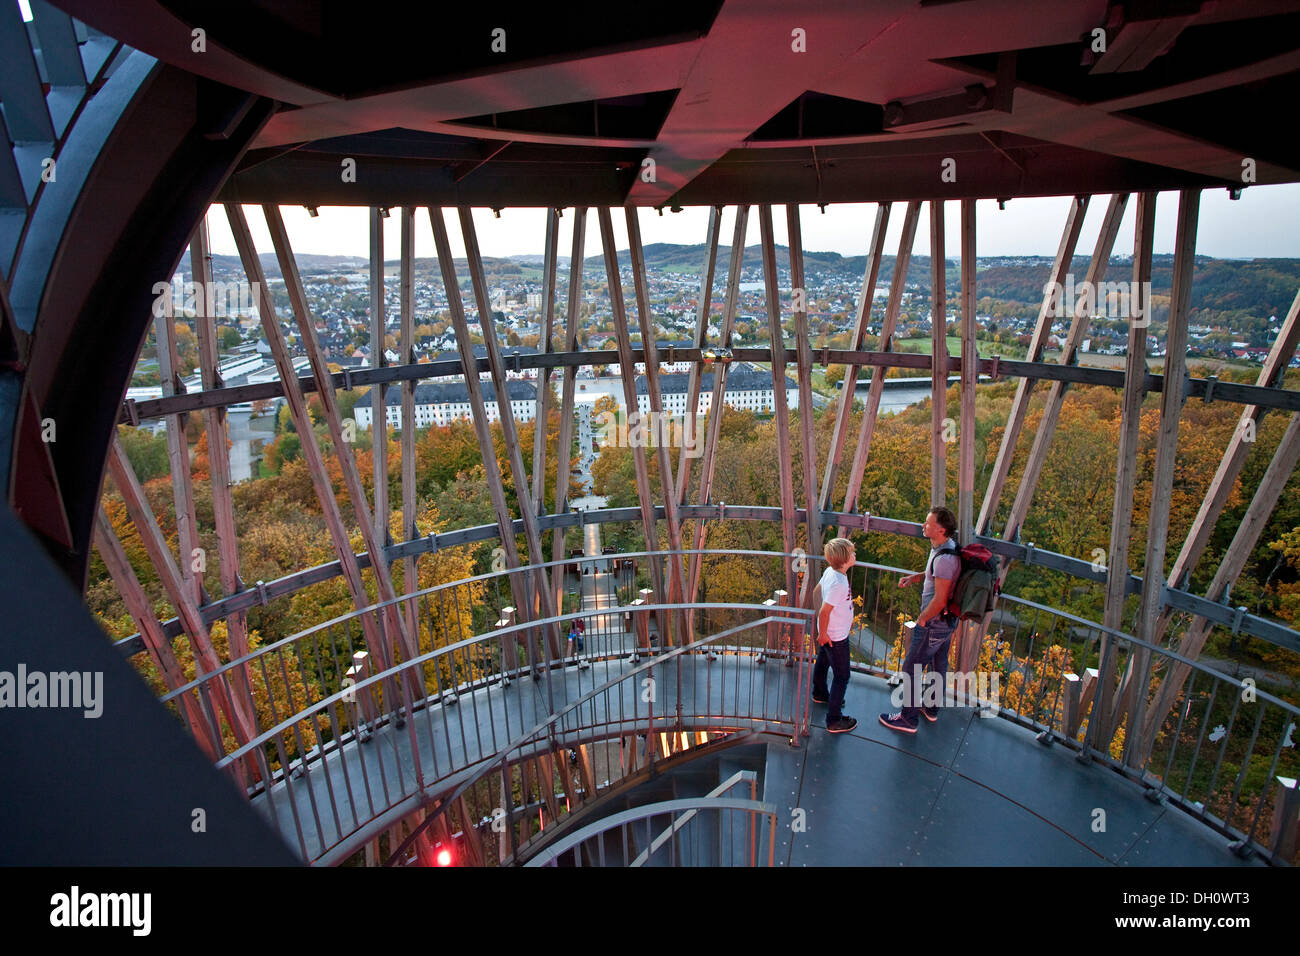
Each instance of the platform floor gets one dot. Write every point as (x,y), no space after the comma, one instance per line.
(966,791)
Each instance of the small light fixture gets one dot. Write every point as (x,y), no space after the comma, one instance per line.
(1234,194)
(312,211)
(1002,202)
(496,212)
(383,212)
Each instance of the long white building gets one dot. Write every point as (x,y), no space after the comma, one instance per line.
(441,403)
(748,389)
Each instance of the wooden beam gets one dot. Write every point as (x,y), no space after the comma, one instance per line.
(938,357)
(701,340)
(563,460)
(238,712)
(1049,310)
(178,451)
(1056,396)
(868,426)
(972,633)
(378,336)
(371,535)
(543,405)
(1121,522)
(202,725)
(532,537)
(505,527)
(223,508)
(1280,469)
(808,434)
(849,384)
(1239,446)
(714,427)
(377,640)
(780,412)
(1162,480)
(410,573)
(634,418)
(676,572)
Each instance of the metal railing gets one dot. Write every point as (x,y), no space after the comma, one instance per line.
(700,831)
(468,732)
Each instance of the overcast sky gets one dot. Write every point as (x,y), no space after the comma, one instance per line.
(1263,223)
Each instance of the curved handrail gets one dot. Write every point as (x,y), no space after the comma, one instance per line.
(687,804)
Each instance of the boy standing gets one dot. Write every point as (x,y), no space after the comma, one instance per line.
(834,621)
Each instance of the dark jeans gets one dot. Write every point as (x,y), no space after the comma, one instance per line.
(929,646)
(835,656)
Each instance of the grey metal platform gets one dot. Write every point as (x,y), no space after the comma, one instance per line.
(966,791)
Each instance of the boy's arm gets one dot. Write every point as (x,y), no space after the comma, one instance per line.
(823,623)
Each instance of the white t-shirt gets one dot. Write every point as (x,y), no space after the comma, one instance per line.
(835,592)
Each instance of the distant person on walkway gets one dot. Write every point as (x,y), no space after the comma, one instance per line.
(932,635)
(577,628)
(834,621)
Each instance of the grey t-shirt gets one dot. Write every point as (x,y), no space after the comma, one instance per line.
(944,563)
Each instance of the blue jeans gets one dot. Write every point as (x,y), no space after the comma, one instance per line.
(929,647)
(834,656)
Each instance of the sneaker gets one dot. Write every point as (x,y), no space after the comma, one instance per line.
(930,713)
(820,698)
(843,725)
(897,722)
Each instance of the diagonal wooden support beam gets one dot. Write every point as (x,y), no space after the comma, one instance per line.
(238,713)
(1280,469)
(808,435)
(1056,396)
(1162,480)
(702,340)
(394,626)
(532,537)
(469,366)
(849,385)
(634,418)
(203,726)
(676,573)
(1239,446)
(223,508)
(1121,522)
(543,405)
(563,458)
(377,639)
(1047,312)
(938,356)
(178,452)
(868,426)
(379,392)
(714,421)
(780,412)
(410,574)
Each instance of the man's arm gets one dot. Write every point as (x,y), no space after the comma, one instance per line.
(939,603)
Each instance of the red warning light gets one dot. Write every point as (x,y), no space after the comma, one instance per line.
(444,857)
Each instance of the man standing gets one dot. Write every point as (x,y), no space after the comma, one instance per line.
(834,621)
(934,626)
